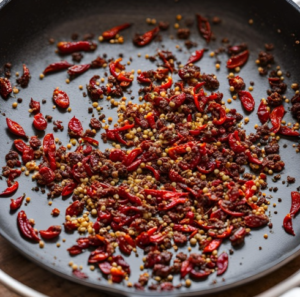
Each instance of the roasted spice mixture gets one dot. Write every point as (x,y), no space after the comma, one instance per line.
(176,172)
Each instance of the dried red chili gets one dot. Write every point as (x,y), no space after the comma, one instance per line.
(78,273)
(68,189)
(49,149)
(14,173)
(222,263)
(115,68)
(247,100)
(276,118)
(228,211)
(25,227)
(78,69)
(252,159)
(199,95)
(237,82)
(222,113)
(111,33)
(285,130)
(295,206)
(288,224)
(24,79)
(212,245)
(256,221)
(263,113)
(27,155)
(235,142)
(51,232)
(238,60)
(47,174)
(76,46)
(196,56)
(35,106)
(5,87)
(142,40)
(55,212)
(16,203)
(39,122)
(154,171)
(10,190)
(61,98)
(75,126)
(15,128)
(167,64)
(20,145)
(91,141)
(204,28)
(75,209)
(58,66)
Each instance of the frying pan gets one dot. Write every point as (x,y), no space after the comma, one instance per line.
(26,27)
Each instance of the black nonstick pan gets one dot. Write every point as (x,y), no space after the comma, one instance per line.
(26,27)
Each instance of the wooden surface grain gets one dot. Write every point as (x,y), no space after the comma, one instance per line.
(28,273)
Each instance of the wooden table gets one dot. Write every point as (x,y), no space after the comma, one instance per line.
(28,273)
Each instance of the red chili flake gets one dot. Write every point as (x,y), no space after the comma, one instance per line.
(117,155)
(247,100)
(25,227)
(263,113)
(222,113)
(75,126)
(199,274)
(237,82)
(58,66)
(20,145)
(124,78)
(5,87)
(79,274)
(15,128)
(76,46)
(24,79)
(212,245)
(222,263)
(78,69)
(288,224)
(252,159)
(61,98)
(276,118)
(39,122)
(295,207)
(28,154)
(256,221)
(55,212)
(142,40)
(235,142)
(10,190)
(238,60)
(75,209)
(51,232)
(47,175)
(196,56)
(285,130)
(68,188)
(16,203)
(91,141)
(35,106)
(111,33)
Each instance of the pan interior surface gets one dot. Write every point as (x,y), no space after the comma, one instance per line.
(26,29)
